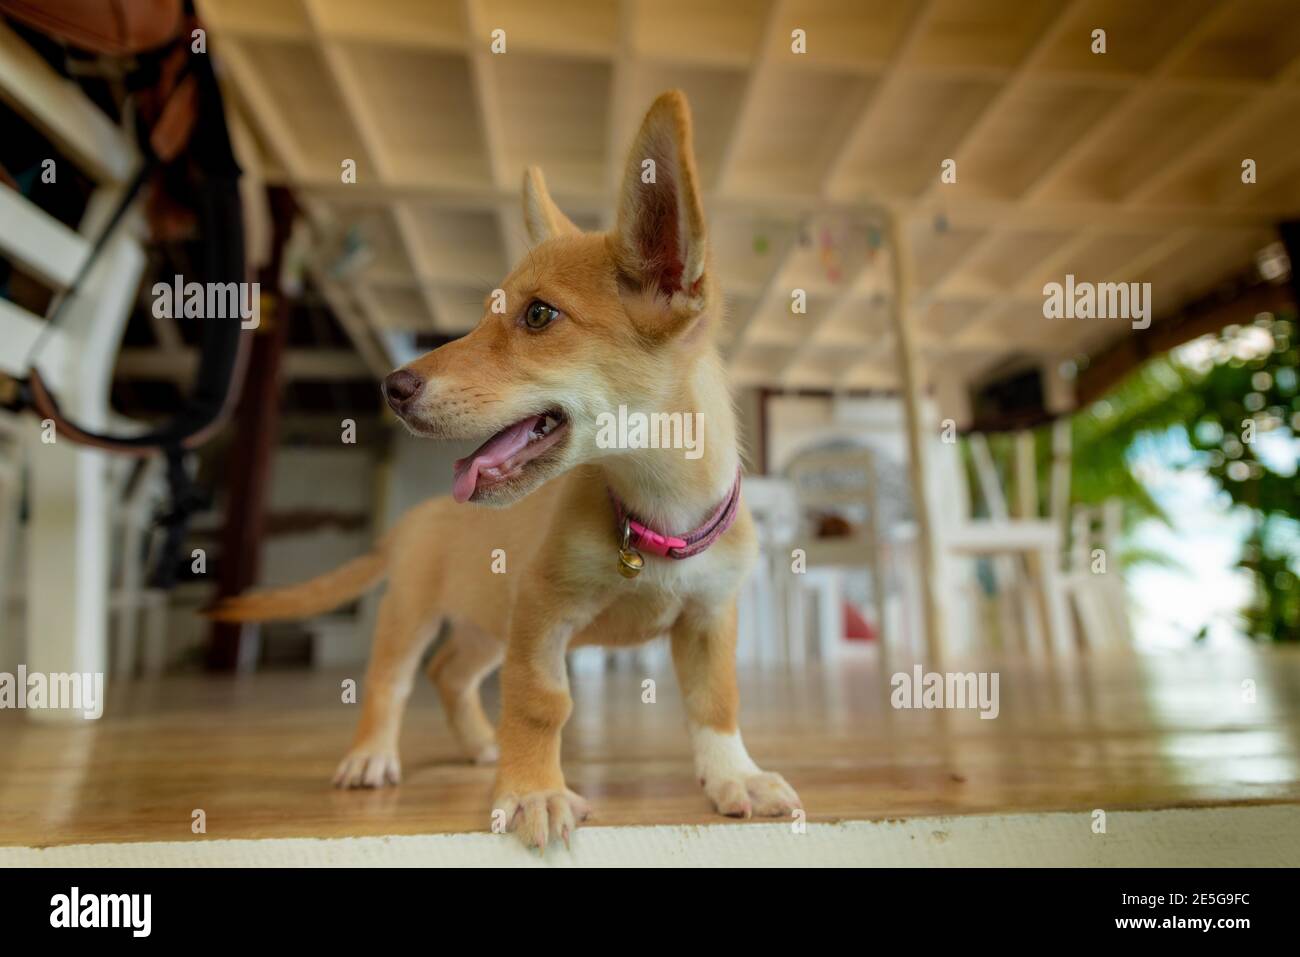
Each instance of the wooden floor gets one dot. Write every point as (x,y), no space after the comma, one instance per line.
(255,753)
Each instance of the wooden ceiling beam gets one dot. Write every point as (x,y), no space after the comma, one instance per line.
(919,18)
(1142,92)
(348,87)
(746,67)
(620,104)
(982,212)
(487,98)
(1136,96)
(1015,82)
(749,106)
(266,115)
(1282,88)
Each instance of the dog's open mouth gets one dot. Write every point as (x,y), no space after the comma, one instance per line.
(505,455)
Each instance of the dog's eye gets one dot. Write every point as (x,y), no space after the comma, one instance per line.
(539,315)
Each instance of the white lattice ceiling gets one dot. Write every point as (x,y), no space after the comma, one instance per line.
(1122,166)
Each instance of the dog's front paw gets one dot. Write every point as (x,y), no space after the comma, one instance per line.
(537,816)
(366,767)
(765,794)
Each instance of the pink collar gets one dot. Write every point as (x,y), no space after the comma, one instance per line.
(639,536)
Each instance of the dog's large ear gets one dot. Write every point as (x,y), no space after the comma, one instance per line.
(542,217)
(659,238)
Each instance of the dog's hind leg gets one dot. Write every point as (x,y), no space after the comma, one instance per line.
(401,636)
(457,669)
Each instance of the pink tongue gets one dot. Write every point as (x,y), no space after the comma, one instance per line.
(491,454)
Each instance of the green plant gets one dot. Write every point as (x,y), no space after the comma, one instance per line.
(1222,393)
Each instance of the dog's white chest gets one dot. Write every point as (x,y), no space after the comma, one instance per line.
(708,577)
(645,607)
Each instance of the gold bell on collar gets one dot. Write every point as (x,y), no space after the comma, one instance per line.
(630,561)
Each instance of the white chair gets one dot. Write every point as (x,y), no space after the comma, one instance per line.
(765,597)
(1094,578)
(843,482)
(1026,550)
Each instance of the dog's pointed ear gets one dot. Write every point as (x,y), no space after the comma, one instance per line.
(542,217)
(660,240)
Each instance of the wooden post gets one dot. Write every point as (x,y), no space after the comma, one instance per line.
(913,394)
(1058,508)
(1036,569)
(1026,476)
(257,430)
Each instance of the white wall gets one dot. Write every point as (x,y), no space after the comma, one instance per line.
(418,469)
(337,480)
(798,423)
(342,479)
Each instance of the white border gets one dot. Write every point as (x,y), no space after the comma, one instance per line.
(1254,836)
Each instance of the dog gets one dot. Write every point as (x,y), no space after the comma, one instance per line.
(587,323)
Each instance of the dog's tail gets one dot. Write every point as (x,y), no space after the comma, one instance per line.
(307,598)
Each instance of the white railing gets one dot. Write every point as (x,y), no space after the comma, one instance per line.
(68,535)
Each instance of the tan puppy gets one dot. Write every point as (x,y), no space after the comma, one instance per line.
(592,321)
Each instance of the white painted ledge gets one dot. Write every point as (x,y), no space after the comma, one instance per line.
(1267,836)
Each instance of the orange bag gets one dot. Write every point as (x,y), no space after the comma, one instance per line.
(113,27)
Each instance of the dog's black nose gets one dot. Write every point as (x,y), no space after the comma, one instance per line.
(401,386)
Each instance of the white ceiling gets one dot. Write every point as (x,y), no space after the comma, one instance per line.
(1123,166)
